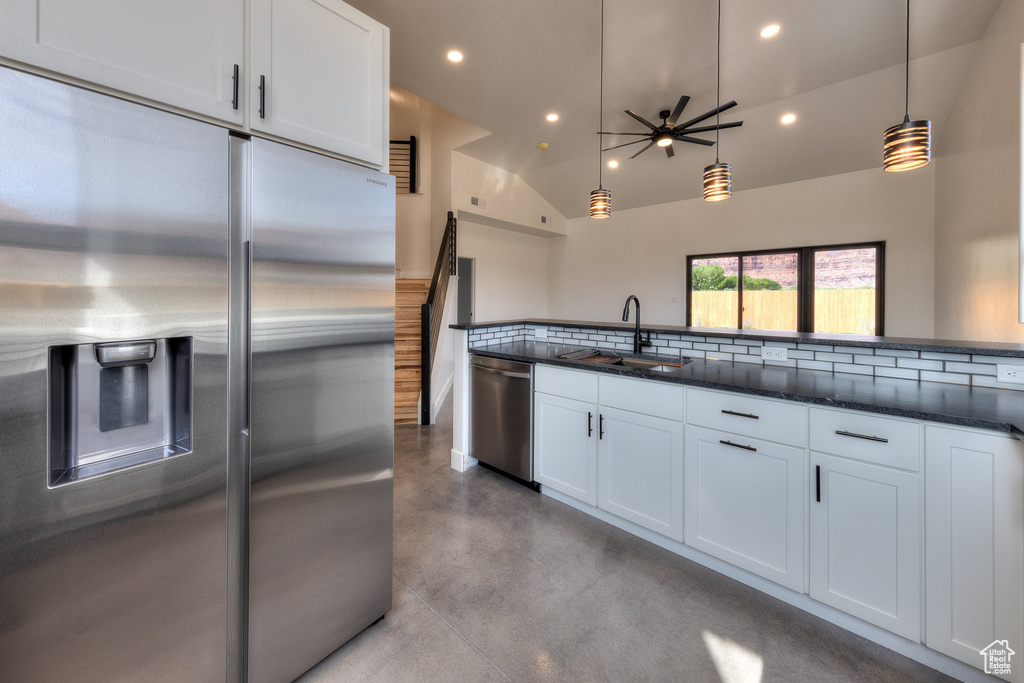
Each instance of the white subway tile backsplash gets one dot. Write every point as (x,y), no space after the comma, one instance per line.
(927,366)
(935,355)
(898,373)
(850,369)
(985,381)
(885,361)
(813,365)
(972,368)
(834,357)
(918,364)
(945,377)
(896,353)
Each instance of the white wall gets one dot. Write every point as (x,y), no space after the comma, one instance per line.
(643,251)
(511,271)
(420,219)
(977,228)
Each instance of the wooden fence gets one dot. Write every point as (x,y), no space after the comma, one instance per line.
(849,311)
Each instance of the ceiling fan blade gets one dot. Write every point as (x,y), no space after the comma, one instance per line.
(680,106)
(705,129)
(646,135)
(641,119)
(696,141)
(708,114)
(625,144)
(643,150)
(669,152)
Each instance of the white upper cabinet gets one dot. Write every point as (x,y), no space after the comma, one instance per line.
(182,53)
(319,76)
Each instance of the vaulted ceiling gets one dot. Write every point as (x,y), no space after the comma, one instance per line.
(837,64)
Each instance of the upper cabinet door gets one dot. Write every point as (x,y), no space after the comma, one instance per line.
(319,76)
(180,53)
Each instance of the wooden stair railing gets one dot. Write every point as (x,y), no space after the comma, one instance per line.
(432,312)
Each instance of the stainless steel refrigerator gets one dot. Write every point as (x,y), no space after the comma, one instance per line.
(196,395)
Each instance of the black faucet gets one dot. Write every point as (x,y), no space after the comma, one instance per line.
(638,342)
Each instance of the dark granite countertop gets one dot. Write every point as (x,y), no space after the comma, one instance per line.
(904,343)
(1000,410)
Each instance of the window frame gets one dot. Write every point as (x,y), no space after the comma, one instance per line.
(805,282)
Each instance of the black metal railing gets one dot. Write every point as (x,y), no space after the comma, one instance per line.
(402,163)
(432,312)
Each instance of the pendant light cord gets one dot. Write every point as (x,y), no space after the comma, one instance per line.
(600,142)
(906,116)
(718,93)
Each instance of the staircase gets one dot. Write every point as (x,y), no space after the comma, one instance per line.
(410,295)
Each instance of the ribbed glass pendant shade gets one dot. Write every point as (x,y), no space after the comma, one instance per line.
(600,203)
(717,182)
(907,146)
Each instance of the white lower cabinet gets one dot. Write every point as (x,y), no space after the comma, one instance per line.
(565,446)
(640,474)
(865,542)
(746,504)
(974,539)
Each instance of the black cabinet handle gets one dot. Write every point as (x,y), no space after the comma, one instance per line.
(263,96)
(234,89)
(600,426)
(817,483)
(749,415)
(879,439)
(737,445)
(590,424)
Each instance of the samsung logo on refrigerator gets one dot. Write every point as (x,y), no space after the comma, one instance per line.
(382,183)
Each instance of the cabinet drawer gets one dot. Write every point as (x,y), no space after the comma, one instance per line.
(757,417)
(642,396)
(577,384)
(882,440)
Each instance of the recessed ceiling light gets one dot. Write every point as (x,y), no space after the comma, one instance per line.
(454,56)
(552,117)
(613,164)
(787,119)
(769,31)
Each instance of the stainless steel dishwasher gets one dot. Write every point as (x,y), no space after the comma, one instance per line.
(501,416)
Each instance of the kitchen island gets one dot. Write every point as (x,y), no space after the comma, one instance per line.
(874,482)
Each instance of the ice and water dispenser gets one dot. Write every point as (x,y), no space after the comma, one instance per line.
(118,404)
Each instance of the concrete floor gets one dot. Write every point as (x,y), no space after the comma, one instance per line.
(493,582)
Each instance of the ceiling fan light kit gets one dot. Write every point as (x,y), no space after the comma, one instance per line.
(601,199)
(907,145)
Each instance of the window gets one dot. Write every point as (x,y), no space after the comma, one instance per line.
(837,289)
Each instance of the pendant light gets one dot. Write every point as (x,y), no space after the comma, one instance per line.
(718,176)
(601,199)
(907,145)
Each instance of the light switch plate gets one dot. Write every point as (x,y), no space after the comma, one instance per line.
(1011,374)
(774,353)
(540,333)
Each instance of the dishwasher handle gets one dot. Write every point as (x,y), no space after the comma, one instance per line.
(503,373)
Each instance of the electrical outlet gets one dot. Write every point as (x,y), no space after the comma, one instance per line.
(540,333)
(774,353)
(1011,374)
(675,299)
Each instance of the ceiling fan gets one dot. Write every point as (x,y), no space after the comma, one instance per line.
(669,130)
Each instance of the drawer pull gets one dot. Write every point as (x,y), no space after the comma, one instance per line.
(748,415)
(879,439)
(737,445)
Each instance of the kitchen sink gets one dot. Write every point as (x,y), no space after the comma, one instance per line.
(638,364)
